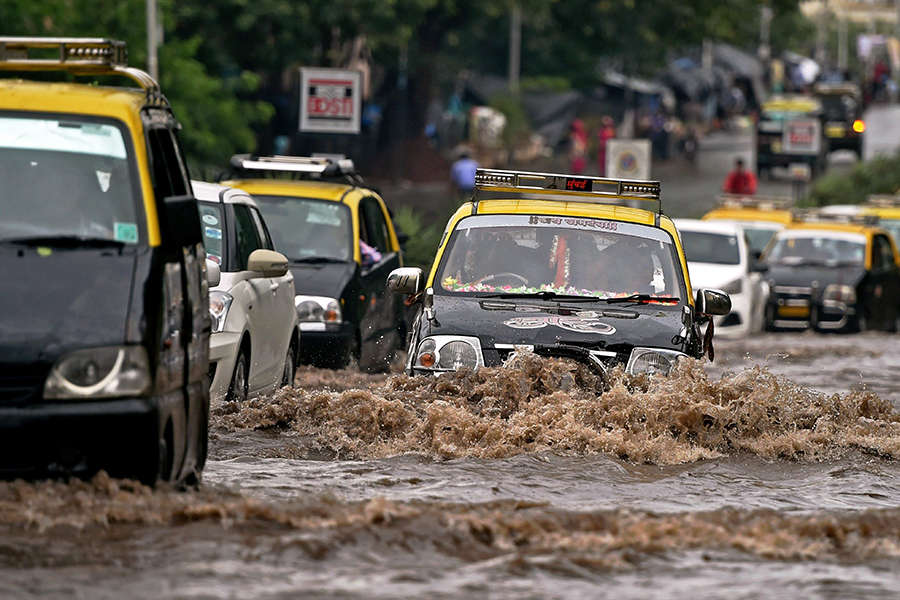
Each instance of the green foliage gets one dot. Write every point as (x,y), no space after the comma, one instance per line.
(217,121)
(517,125)
(878,176)
(423,239)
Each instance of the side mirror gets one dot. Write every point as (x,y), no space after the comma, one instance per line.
(213,273)
(406,280)
(181,222)
(712,302)
(267,262)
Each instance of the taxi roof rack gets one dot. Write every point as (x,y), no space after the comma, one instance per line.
(79,56)
(813,215)
(565,188)
(757,202)
(883,200)
(298,167)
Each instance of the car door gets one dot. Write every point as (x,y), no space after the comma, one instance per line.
(379,327)
(263,367)
(882,290)
(281,319)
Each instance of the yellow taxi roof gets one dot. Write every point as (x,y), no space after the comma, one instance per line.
(575,209)
(320,190)
(749,214)
(73,98)
(826,226)
(885,212)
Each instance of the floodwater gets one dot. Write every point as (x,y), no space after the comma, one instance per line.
(772,473)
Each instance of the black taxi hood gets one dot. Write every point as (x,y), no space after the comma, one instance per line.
(322,279)
(804,275)
(54,301)
(527,321)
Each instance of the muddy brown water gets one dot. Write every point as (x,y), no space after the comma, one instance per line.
(771,473)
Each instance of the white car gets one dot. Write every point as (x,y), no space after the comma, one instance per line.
(719,257)
(255,337)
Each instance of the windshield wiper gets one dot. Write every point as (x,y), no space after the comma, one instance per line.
(638,298)
(311,260)
(546,295)
(64,241)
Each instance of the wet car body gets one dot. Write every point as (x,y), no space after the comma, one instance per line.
(476,328)
(836,297)
(368,323)
(760,217)
(104,327)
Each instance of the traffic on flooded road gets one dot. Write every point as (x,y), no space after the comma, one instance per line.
(645,355)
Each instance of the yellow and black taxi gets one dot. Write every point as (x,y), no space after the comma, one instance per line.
(341,244)
(789,132)
(760,217)
(843,113)
(832,274)
(104,312)
(559,265)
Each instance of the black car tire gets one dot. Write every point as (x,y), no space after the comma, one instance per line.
(290,367)
(240,378)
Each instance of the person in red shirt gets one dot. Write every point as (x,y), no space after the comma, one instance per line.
(740,181)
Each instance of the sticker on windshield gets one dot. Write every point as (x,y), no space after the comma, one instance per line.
(213,233)
(103,178)
(125,232)
(210,219)
(576,324)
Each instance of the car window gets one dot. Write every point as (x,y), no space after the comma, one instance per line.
(245,234)
(305,228)
(375,226)
(524,254)
(68,176)
(882,254)
(261,230)
(818,249)
(211,221)
(707,247)
(169,175)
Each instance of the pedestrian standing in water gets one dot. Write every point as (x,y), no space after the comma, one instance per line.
(740,181)
(462,177)
(578,147)
(606,133)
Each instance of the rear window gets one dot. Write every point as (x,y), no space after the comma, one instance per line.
(213,230)
(707,247)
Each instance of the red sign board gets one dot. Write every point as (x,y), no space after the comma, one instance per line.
(330,100)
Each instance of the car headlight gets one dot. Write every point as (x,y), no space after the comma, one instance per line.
(317,309)
(113,371)
(652,361)
(733,287)
(448,353)
(839,293)
(219,303)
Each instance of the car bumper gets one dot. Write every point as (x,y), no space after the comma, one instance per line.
(823,316)
(223,351)
(117,435)
(320,339)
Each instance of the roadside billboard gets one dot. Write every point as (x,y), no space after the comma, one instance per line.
(330,100)
(628,159)
(802,136)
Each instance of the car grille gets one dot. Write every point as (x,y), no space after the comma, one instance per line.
(18,385)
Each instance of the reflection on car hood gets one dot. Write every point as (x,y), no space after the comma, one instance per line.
(803,276)
(530,321)
(73,298)
(322,279)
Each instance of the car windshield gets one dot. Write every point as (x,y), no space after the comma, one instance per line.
(66,178)
(759,237)
(522,254)
(823,249)
(211,219)
(709,247)
(304,228)
(838,107)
